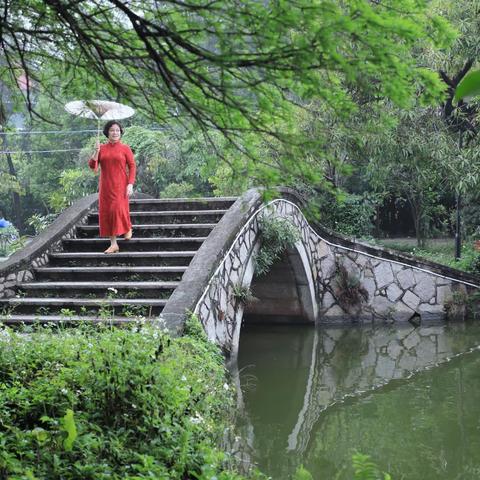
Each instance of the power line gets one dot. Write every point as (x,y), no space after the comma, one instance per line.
(39,132)
(63,132)
(11,152)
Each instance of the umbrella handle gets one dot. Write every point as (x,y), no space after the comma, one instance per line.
(98,139)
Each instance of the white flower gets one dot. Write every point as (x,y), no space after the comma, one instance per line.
(4,335)
(184,378)
(225,386)
(64,391)
(111,289)
(196,419)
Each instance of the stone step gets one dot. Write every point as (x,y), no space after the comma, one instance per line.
(162,217)
(67,319)
(125,307)
(94,289)
(206,203)
(135,244)
(110,273)
(155,230)
(85,259)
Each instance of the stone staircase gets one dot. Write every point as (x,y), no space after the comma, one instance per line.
(81,283)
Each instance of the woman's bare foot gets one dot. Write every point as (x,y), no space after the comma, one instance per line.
(112,249)
(128,235)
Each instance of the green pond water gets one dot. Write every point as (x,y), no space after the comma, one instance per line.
(408,397)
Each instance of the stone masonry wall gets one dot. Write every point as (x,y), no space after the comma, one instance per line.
(387,290)
(219,306)
(8,282)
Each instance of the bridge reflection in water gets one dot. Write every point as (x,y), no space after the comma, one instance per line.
(314,396)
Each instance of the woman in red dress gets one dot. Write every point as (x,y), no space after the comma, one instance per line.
(117,176)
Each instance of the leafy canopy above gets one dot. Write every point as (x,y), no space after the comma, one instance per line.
(241,67)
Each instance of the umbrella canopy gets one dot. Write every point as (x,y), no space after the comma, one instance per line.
(99,109)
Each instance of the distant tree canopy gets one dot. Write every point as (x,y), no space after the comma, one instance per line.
(241,67)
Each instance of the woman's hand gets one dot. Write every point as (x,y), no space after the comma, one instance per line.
(129,190)
(96,151)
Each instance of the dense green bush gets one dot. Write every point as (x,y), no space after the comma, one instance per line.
(353,216)
(40,222)
(93,403)
(74,183)
(474,265)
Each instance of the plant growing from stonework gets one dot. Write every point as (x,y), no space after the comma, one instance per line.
(462,305)
(365,469)
(276,236)
(67,312)
(242,293)
(349,291)
(106,310)
(136,311)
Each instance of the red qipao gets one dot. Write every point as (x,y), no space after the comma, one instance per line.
(117,170)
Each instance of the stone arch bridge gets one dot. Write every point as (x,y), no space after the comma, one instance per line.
(197,255)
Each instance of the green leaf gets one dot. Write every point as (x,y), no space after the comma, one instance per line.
(68,425)
(302,474)
(40,434)
(468,87)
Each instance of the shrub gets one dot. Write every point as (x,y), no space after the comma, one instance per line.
(74,184)
(111,403)
(41,222)
(353,216)
(474,265)
(178,190)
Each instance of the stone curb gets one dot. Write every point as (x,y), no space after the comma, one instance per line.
(400,257)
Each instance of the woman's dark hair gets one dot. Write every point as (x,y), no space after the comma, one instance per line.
(109,124)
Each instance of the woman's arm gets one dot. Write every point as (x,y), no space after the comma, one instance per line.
(132,169)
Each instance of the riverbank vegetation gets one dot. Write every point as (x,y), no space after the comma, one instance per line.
(100,402)
(439,251)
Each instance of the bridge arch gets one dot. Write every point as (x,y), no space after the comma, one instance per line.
(287,292)
(391,286)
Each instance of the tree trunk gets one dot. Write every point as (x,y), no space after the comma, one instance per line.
(17,203)
(17,206)
(418,216)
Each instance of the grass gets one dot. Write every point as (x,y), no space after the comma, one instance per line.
(437,250)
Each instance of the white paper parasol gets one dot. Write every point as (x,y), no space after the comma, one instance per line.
(99,110)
